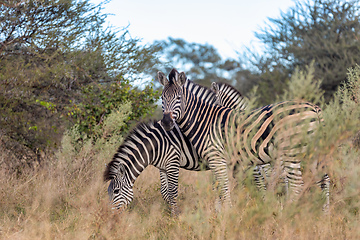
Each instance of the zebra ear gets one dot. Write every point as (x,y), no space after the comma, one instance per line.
(162,78)
(215,87)
(182,79)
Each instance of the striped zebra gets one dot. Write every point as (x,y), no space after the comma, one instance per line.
(150,144)
(222,136)
(228,96)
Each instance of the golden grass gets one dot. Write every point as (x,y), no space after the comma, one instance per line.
(68,200)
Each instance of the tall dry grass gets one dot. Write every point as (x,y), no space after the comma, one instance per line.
(67,198)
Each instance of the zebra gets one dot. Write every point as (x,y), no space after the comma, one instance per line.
(228,96)
(222,136)
(150,144)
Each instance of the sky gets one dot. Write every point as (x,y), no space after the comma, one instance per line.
(228,25)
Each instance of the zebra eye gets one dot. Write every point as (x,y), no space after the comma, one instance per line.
(116,191)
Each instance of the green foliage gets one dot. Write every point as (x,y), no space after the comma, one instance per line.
(201,62)
(108,136)
(271,84)
(324,31)
(52,53)
(50,106)
(102,100)
(304,86)
(342,121)
(343,112)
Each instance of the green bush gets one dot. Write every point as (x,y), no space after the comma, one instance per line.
(100,101)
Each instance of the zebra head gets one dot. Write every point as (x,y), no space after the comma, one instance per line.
(173,100)
(228,96)
(119,190)
(216,89)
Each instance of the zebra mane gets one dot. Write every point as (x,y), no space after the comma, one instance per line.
(229,96)
(112,168)
(201,92)
(224,87)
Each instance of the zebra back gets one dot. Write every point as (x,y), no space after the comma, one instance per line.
(149,144)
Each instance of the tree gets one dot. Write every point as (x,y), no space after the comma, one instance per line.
(51,53)
(326,31)
(201,62)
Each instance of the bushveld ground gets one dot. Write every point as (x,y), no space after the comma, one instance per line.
(55,203)
(66,198)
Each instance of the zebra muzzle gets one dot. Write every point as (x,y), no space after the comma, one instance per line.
(168,121)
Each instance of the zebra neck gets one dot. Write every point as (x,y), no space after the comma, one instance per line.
(200,114)
(133,169)
(231,98)
(200,92)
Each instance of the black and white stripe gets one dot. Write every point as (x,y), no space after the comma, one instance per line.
(222,136)
(150,144)
(228,96)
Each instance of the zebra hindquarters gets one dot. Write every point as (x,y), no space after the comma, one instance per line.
(292,153)
(291,141)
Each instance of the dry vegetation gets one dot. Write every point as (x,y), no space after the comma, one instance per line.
(67,199)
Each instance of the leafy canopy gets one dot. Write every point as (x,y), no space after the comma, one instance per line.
(58,54)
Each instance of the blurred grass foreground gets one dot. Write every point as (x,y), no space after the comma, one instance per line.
(67,198)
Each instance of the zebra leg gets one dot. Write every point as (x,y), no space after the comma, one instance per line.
(169,187)
(173,181)
(293,179)
(218,167)
(261,174)
(324,184)
(164,189)
(259,179)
